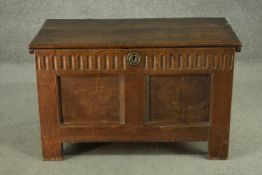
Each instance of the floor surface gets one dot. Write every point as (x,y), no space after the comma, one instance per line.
(20,149)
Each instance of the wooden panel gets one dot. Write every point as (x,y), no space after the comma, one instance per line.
(91,99)
(135,33)
(134,133)
(68,61)
(153,60)
(170,60)
(179,99)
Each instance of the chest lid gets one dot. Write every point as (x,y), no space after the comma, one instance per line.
(135,33)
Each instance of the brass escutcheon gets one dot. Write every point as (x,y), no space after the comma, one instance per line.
(133,58)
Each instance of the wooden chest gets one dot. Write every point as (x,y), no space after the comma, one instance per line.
(135,80)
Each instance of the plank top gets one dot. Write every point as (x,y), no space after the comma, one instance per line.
(135,33)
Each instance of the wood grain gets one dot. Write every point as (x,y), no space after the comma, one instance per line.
(179,99)
(135,33)
(49,119)
(91,99)
(218,142)
(153,60)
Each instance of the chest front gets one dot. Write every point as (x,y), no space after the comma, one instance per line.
(145,80)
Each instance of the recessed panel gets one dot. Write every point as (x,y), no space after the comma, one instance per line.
(91,99)
(178,99)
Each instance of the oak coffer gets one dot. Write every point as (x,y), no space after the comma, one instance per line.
(135,80)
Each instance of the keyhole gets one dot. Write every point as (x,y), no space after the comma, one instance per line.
(134,58)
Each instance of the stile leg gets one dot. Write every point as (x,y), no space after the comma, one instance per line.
(52,149)
(49,119)
(220,115)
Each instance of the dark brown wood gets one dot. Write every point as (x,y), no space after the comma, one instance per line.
(179,99)
(135,33)
(134,133)
(91,99)
(49,120)
(221,109)
(160,94)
